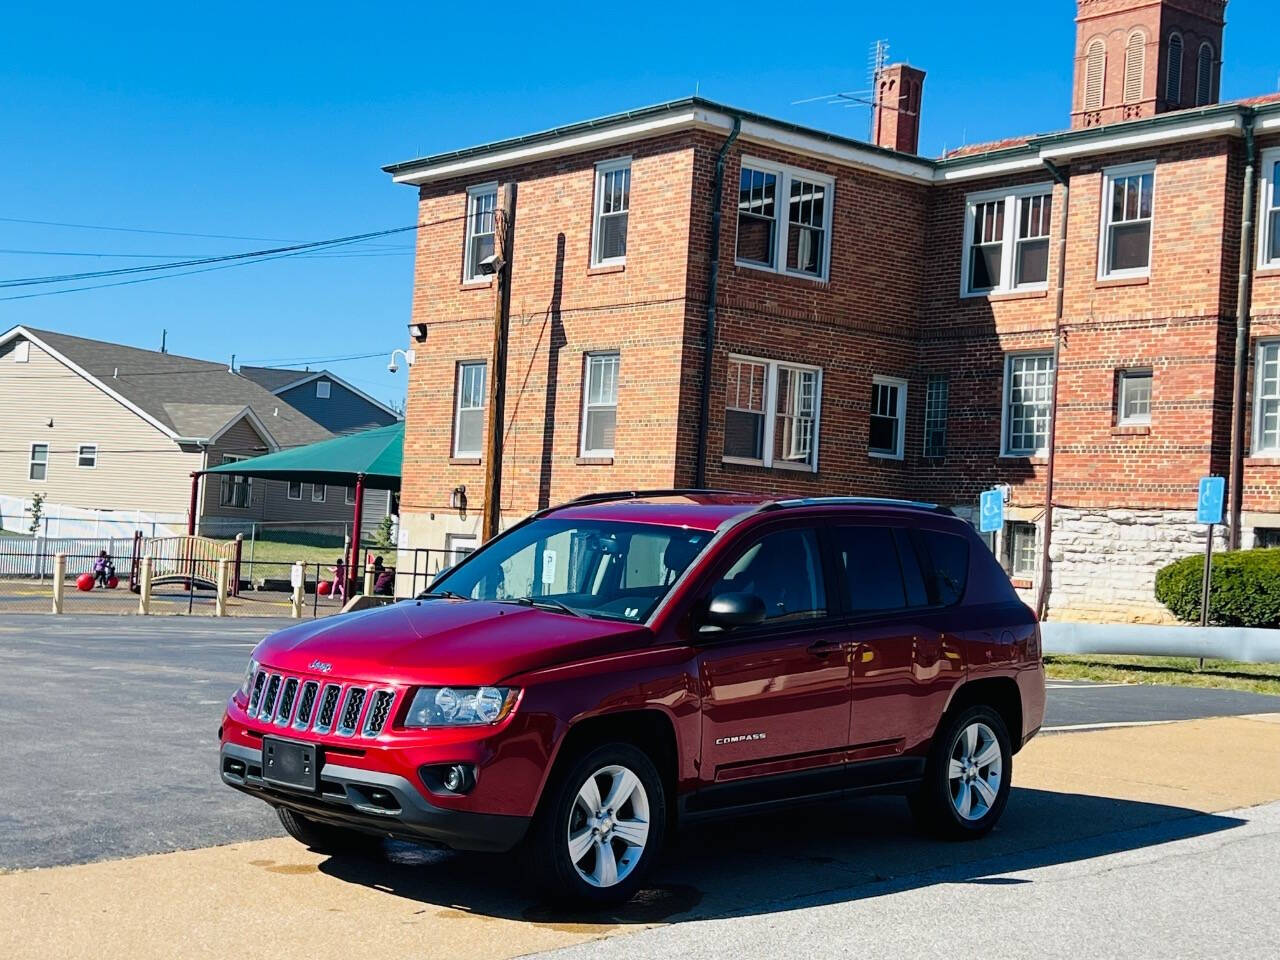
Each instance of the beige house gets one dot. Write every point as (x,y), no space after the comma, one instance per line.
(101,427)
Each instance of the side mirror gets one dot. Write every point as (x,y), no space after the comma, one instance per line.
(730,610)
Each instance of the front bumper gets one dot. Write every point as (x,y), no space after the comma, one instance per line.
(374,802)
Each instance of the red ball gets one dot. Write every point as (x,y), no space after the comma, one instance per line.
(324,587)
(113,582)
(85,582)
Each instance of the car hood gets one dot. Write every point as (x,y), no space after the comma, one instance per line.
(442,641)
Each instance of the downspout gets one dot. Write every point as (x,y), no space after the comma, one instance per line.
(1042,595)
(713,278)
(1244,294)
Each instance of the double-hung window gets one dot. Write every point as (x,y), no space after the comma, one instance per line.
(599,404)
(318,492)
(38,468)
(468,415)
(772,413)
(1269,238)
(784,219)
(613,202)
(1006,240)
(888,417)
(1266,399)
(1128,195)
(1133,404)
(294,491)
(1028,392)
(236,491)
(349,496)
(87,456)
(1022,550)
(482,207)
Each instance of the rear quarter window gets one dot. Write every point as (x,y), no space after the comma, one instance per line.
(944,561)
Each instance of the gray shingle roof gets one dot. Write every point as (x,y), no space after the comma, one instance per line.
(194,398)
(273,378)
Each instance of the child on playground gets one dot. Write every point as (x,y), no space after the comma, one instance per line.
(103,569)
(339,579)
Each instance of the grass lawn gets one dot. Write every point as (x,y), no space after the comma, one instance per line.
(324,550)
(1179,671)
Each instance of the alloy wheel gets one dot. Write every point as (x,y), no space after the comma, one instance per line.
(974,771)
(608,826)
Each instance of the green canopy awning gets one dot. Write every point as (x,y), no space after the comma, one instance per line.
(374,454)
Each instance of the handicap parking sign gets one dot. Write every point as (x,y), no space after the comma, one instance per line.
(991,511)
(1209,503)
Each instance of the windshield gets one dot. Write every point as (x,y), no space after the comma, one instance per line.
(616,571)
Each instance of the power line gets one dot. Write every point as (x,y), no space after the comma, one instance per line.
(164,233)
(375,251)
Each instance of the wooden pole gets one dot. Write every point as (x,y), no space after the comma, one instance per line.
(191,512)
(144,587)
(498,366)
(220,589)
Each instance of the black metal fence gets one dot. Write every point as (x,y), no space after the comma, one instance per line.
(420,567)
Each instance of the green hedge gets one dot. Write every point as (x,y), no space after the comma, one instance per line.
(1244,588)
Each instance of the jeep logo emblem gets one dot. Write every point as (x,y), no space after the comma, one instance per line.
(320,665)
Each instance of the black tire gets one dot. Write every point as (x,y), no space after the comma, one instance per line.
(934,805)
(548,865)
(324,837)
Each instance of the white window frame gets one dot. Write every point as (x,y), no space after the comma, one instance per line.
(323,490)
(583,450)
(471,271)
(323,389)
(1005,449)
(1127,376)
(459,545)
(900,435)
(1109,176)
(1022,573)
(458,452)
(1012,197)
(597,212)
(22,351)
(349,496)
(771,415)
(231,481)
(782,218)
(288,490)
(32,461)
(1269,205)
(81,455)
(1257,448)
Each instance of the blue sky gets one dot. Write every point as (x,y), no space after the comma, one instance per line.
(272,121)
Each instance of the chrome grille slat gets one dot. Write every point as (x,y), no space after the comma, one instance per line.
(256,696)
(306,704)
(379,712)
(269,697)
(351,708)
(288,697)
(328,707)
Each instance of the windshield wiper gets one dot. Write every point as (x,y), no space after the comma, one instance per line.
(548,602)
(447,594)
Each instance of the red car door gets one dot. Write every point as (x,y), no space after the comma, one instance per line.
(775,696)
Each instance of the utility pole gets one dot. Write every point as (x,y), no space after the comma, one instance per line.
(505,237)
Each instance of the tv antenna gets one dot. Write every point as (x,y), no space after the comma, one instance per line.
(877,60)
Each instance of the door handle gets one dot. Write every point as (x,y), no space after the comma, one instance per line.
(825,648)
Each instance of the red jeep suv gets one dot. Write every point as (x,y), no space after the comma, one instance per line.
(608,669)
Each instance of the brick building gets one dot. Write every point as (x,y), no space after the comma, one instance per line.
(879,322)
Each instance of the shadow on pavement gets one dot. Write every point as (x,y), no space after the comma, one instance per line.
(808,856)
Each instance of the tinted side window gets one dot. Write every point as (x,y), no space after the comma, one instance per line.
(945,558)
(870,561)
(783,569)
(912,570)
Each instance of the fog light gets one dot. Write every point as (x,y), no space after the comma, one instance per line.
(455,778)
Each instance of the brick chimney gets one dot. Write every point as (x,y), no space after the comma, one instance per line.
(897,111)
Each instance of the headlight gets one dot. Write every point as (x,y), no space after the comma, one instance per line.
(249,672)
(460,706)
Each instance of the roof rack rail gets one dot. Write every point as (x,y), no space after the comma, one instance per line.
(856,501)
(637,494)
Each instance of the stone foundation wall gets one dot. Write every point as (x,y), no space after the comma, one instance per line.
(1104,562)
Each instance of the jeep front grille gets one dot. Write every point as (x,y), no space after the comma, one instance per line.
(319,706)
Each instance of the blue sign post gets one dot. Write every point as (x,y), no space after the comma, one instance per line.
(1209,511)
(991,511)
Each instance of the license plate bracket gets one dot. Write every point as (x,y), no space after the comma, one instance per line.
(288,763)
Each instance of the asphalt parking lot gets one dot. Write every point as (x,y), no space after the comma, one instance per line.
(108,782)
(113,723)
